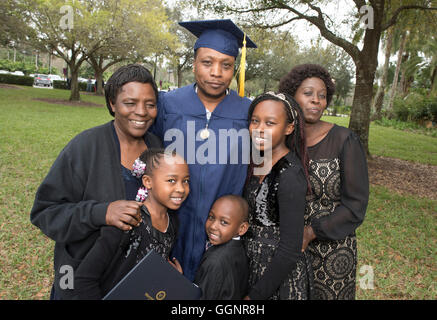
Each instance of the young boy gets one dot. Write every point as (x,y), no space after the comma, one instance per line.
(223,270)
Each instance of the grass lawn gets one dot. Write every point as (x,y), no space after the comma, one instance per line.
(394,143)
(397,240)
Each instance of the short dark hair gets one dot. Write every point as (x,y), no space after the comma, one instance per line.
(242,203)
(292,80)
(123,75)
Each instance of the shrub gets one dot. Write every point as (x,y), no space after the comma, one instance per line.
(61,84)
(401,109)
(13,79)
(26,67)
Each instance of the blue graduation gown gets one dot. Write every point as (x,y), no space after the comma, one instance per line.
(182,110)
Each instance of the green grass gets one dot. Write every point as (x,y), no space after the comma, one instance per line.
(32,135)
(395,143)
(397,239)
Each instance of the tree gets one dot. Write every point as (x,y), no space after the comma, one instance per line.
(368,24)
(137,29)
(181,54)
(63,27)
(379,98)
(12,28)
(268,63)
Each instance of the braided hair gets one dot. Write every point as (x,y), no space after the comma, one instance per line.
(152,158)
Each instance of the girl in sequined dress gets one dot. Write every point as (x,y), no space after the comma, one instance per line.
(278,268)
(165,177)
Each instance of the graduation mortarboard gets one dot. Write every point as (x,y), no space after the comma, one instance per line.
(223,36)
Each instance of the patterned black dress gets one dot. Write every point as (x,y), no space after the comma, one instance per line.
(277,268)
(336,207)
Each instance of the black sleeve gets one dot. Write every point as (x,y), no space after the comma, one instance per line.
(59,210)
(291,200)
(89,273)
(354,194)
(209,278)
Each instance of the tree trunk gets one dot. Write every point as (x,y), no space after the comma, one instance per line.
(379,99)
(366,62)
(179,73)
(360,113)
(398,68)
(99,81)
(433,82)
(74,93)
(405,82)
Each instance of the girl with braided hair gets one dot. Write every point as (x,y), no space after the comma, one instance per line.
(165,180)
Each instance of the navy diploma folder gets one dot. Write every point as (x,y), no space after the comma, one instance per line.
(153,278)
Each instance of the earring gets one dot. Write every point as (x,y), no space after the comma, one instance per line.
(141,194)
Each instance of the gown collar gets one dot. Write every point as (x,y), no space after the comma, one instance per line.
(225,109)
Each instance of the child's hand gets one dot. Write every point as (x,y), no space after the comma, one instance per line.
(123,214)
(176,265)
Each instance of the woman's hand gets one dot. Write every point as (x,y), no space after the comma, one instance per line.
(176,265)
(308,236)
(123,214)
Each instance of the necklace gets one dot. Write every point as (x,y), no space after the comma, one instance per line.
(204,133)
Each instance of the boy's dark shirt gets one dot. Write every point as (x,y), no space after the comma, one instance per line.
(223,272)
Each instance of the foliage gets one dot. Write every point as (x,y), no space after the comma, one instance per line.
(415,107)
(137,29)
(180,53)
(26,67)
(13,79)
(339,109)
(383,14)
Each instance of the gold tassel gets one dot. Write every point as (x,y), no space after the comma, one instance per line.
(242,69)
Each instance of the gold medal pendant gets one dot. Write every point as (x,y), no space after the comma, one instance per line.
(204,134)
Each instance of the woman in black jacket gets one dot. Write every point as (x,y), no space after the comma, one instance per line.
(90,184)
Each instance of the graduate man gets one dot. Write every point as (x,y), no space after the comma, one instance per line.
(205,118)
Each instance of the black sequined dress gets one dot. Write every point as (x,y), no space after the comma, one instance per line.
(277,268)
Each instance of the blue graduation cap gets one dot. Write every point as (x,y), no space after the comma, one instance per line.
(221,35)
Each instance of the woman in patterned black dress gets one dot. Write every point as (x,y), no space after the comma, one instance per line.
(339,182)
(277,267)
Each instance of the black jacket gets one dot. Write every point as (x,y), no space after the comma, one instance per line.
(70,204)
(223,272)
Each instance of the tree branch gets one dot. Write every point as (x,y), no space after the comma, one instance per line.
(395,15)
(317,21)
